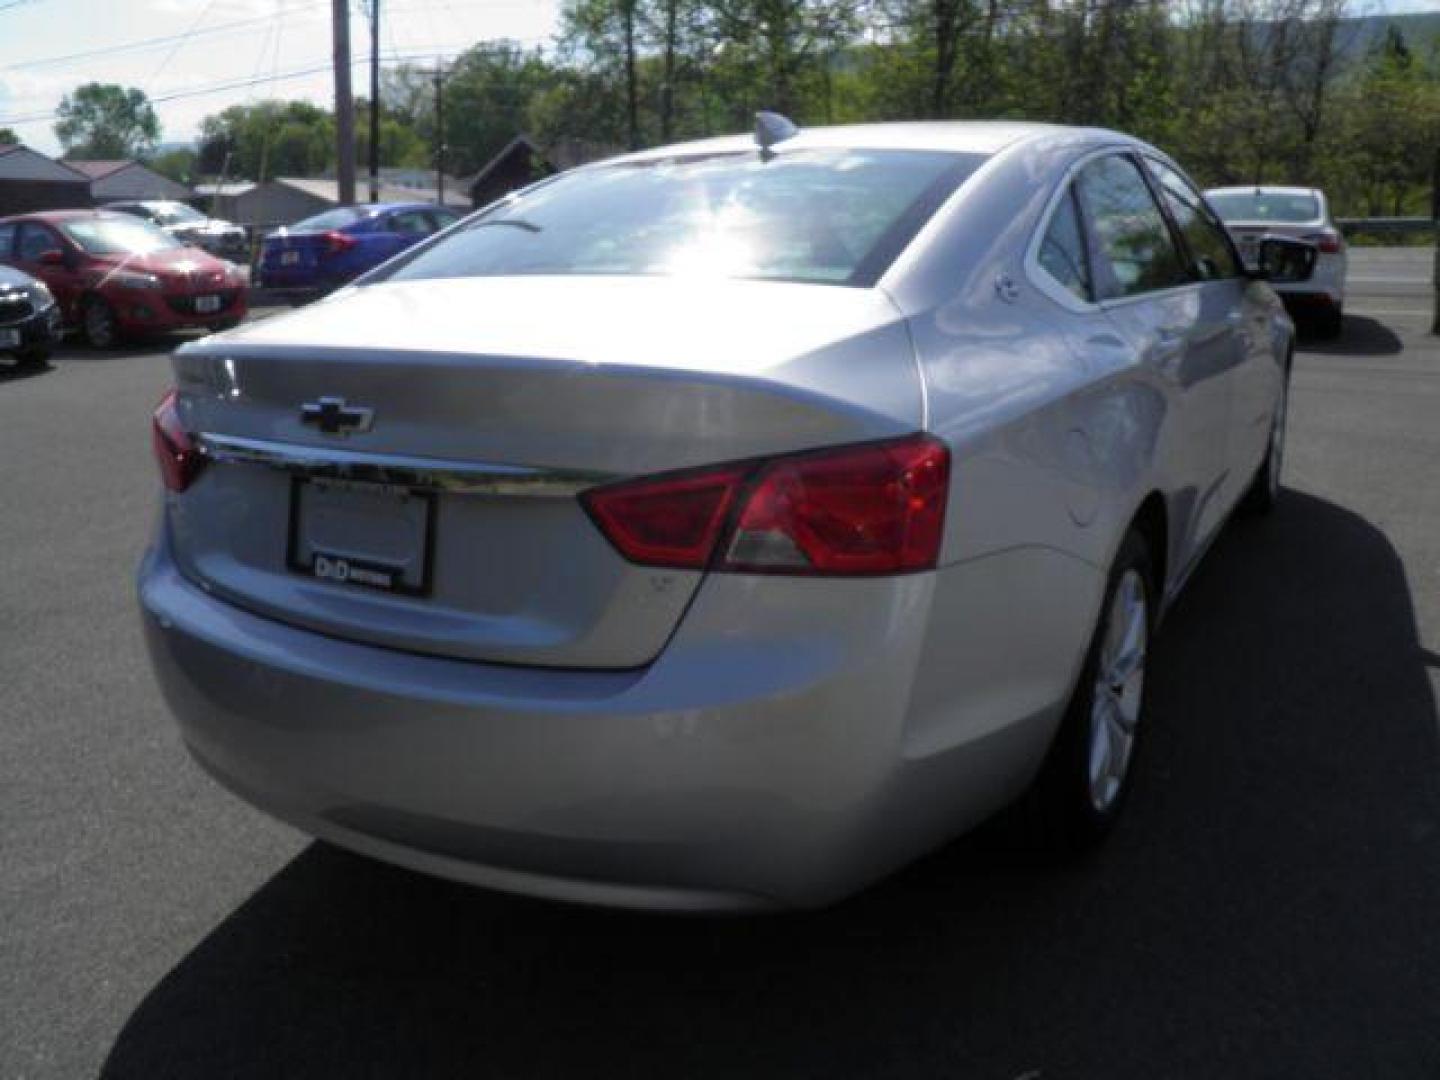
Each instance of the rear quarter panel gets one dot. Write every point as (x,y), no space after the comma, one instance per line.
(1055,428)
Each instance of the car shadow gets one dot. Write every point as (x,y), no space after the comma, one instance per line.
(1360,335)
(1266,908)
(13,371)
(73,351)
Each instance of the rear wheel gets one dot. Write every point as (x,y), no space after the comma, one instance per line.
(1087,775)
(97,323)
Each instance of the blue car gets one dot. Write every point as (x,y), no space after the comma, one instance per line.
(324,252)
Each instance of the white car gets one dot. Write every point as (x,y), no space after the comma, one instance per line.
(1304,213)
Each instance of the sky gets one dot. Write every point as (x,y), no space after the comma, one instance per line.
(216,43)
(213,45)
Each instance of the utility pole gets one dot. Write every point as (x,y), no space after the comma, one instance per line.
(374,101)
(344,105)
(439,133)
(1435,223)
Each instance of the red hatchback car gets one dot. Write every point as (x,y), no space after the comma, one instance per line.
(115,275)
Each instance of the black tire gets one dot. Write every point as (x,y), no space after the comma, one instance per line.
(97,323)
(35,357)
(1062,812)
(1264,491)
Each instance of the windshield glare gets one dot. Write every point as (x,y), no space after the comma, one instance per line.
(829,217)
(1259,206)
(118,236)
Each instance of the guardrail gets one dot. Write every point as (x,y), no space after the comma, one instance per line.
(1402,226)
(1386,226)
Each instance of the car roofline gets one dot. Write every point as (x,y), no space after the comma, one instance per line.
(982,137)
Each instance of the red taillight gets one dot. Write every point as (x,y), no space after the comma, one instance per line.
(1327,240)
(877,508)
(336,242)
(670,521)
(175,453)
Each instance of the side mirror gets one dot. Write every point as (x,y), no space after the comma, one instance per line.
(52,257)
(1285,261)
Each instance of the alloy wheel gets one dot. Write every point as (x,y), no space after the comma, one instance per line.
(1119,690)
(99,324)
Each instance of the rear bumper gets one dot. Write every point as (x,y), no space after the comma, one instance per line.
(1325,289)
(775,767)
(1307,298)
(140,311)
(306,283)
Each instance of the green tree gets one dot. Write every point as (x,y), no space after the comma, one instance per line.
(489,90)
(400,144)
(1261,91)
(1383,147)
(267,139)
(779,54)
(604,36)
(8,137)
(178,165)
(103,120)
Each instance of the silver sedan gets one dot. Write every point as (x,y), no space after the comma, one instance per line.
(724,525)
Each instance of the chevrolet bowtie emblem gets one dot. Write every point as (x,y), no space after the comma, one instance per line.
(334,417)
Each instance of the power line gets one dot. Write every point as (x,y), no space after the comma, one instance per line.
(218,30)
(175,48)
(240,84)
(147,43)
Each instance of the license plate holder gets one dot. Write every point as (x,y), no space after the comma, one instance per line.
(9,338)
(353,534)
(207,305)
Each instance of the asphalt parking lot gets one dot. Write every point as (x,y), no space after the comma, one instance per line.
(1270,908)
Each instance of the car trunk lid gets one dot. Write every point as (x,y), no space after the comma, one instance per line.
(451,424)
(294,251)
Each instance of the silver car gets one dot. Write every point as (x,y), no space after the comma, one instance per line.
(724,525)
(223,239)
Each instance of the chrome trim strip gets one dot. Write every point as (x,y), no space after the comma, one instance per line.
(430,474)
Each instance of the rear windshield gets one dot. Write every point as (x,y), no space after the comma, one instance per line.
(118,236)
(1258,206)
(831,217)
(331,219)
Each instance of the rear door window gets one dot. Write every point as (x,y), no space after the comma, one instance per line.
(7,240)
(1062,252)
(1210,249)
(1135,252)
